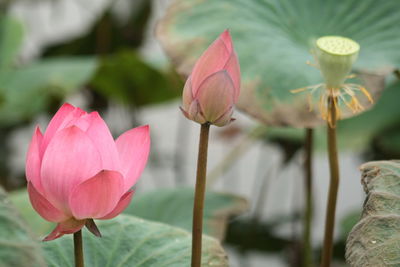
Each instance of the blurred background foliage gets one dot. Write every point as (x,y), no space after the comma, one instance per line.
(103,62)
(106,65)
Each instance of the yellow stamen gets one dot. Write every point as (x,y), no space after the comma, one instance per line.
(367,94)
(295,91)
(338,112)
(348,90)
(356,105)
(345,101)
(340,94)
(309,100)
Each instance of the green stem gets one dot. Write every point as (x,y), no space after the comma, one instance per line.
(308,213)
(199,195)
(78,249)
(333,186)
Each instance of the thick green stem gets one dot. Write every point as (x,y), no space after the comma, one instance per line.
(199,194)
(308,212)
(78,249)
(333,186)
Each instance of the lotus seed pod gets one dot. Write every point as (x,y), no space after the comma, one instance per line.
(335,56)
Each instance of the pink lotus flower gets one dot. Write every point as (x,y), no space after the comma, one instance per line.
(213,87)
(77,172)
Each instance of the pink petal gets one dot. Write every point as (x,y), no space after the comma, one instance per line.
(211,61)
(225,119)
(33,160)
(226,38)
(187,96)
(216,95)
(80,120)
(44,207)
(185,113)
(121,206)
(67,227)
(70,159)
(233,68)
(58,122)
(133,147)
(195,112)
(97,196)
(99,133)
(97,130)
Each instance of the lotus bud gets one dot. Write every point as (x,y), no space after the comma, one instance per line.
(213,87)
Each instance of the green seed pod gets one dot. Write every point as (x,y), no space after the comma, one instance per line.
(335,56)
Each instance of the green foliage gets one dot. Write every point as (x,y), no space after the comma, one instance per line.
(11,35)
(356,132)
(126,241)
(347,223)
(273,40)
(39,226)
(109,33)
(27,90)
(126,78)
(175,207)
(386,144)
(17,246)
(375,239)
(169,206)
(130,241)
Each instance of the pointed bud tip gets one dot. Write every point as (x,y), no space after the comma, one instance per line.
(145,127)
(227,39)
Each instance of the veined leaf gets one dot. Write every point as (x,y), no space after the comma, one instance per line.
(375,239)
(175,207)
(130,241)
(18,247)
(273,40)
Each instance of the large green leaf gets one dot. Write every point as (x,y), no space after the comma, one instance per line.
(17,245)
(126,241)
(170,206)
(130,241)
(375,239)
(39,226)
(175,207)
(26,91)
(273,39)
(11,35)
(355,133)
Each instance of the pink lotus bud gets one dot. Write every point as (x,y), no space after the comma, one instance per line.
(76,171)
(214,85)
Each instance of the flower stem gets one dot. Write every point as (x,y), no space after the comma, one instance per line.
(78,249)
(199,195)
(308,213)
(333,186)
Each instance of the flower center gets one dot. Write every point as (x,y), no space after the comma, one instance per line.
(337,45)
